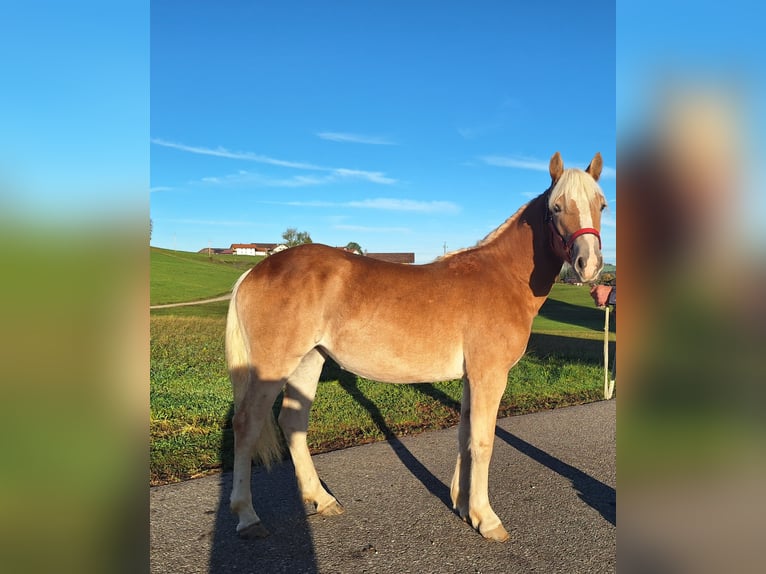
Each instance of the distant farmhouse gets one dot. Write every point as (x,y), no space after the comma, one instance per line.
(394,257)
(253,249)
(215,251)
(264,249)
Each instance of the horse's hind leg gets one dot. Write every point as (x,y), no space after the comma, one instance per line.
(294,419)
(252,414)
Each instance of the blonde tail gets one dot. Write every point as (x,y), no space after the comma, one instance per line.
(268,448)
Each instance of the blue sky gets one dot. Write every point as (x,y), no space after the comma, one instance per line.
(400,126)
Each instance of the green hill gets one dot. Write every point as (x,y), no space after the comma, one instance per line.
(178,276)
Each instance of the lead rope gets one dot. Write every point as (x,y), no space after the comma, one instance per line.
(608,382)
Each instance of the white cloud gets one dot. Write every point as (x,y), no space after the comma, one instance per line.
(608,220)
(225,223)
(406,205)
(371,176)
(355,138)
(366,229)
(608,172)
(307,203)
(335,174)
(384,204)
(516,162)
(243,155)
(533,164)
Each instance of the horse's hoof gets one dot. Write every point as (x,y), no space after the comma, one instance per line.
(333,509)
(497,534)
(253,532)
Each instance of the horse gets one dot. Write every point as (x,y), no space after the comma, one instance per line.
(465,315)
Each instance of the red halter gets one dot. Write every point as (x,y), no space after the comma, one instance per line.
(563,247)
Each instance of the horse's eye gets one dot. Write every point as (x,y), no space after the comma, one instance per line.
(603,206)
(556,208)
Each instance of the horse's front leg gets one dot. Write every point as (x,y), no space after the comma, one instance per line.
(484,400)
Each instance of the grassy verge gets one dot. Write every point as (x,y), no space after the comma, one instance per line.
(191,397)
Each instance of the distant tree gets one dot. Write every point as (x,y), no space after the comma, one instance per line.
(607,279)
(355,247)
(294,237)
(151,225)
(566,273)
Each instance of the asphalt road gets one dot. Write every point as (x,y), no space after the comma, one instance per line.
(552,482)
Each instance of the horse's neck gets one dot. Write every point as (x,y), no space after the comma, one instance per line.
(523,243)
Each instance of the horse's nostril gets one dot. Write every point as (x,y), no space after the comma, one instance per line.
(580,263)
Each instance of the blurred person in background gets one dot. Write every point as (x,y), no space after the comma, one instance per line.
(691,429)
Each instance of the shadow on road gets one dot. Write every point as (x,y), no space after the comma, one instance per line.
(435,486)
(276,497)
(278,502)
(594,493)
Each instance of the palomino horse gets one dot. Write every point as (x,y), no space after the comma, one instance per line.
(468,314)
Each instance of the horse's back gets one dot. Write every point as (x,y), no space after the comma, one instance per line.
(304,270)
(386,321)
(375,318)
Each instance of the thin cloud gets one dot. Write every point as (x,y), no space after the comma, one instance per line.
(371,176)
(608,172)
(383,204)
(217,222)
(608,220)
(253,179)
(336,174)
(308,203)
(389,204)
(243,177)
(533,164)
(515,162)
(366,229)
(243,155)
(354,138)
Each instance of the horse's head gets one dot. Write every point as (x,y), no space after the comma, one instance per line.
(575,202)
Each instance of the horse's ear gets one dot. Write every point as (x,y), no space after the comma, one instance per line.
(556,167)
(594,169)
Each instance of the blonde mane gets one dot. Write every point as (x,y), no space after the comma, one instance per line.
(572,183)
(491,236)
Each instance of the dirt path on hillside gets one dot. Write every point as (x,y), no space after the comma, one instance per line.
(199,302)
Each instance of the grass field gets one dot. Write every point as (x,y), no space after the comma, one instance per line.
(178,276)
(190,397)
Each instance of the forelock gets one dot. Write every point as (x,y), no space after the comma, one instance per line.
(574,183)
